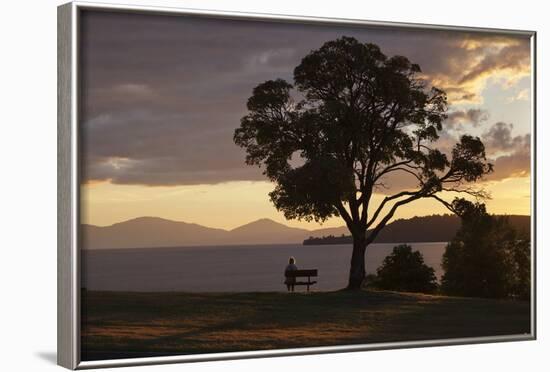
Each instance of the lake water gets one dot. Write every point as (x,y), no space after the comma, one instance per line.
(230,268)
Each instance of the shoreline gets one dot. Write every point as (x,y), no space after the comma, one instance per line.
(247,245)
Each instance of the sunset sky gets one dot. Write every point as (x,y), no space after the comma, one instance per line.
(162,96)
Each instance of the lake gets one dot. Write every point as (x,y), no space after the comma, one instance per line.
(230,268)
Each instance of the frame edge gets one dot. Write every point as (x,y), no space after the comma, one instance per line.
(534,189)
(68,327)
(66,320)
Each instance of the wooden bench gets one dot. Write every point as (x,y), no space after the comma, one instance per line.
(303,274)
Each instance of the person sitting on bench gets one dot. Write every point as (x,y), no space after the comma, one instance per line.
(290,280)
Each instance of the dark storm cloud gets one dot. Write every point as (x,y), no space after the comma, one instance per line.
(162,95)
(517,164)
(150,148)
(471,116)
(499,138)
(511,154)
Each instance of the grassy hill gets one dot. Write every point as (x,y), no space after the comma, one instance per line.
(124,325)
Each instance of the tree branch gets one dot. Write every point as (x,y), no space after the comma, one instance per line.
(447,205)
(345,215)
(374,233)
(386,200)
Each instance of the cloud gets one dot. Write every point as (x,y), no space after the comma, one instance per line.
(516,164)
(159,149)
(522,95)
(511,155)
(133,90)
(512,59)
(477,59)
(161,96)
(475,117)
(499,138)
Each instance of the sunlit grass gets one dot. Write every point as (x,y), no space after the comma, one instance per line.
(139,324)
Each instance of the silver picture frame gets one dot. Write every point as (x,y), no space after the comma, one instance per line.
(68,169)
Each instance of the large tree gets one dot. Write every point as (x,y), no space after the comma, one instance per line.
(353,118)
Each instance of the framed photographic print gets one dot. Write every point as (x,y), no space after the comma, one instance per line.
(236,185)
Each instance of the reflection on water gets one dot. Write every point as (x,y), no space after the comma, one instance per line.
(230,268)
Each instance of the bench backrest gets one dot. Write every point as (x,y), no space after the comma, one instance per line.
(298,273)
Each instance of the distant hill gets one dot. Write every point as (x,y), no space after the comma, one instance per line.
(436,228)
(149,232)
(158,232)
(266,231)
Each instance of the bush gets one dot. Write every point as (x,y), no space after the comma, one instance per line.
(487,258)
(404,270)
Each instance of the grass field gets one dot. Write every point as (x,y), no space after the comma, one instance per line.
(119,325)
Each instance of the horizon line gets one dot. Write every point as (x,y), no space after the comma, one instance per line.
(279,223)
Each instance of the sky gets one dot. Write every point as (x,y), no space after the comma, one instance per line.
(162,96)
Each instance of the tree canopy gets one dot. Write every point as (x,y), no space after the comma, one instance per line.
(352,118)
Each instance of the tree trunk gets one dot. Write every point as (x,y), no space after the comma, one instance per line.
(357,269)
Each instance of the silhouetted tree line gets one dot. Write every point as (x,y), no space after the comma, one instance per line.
(435,228)
(329,239)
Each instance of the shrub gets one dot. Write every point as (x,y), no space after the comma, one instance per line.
(404,270)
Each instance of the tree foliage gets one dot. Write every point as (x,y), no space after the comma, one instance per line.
(352,118)
(487,258)
(404,270)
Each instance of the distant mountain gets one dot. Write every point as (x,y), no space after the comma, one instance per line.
(158,232)
(267,231)
(149,232)
(436,228)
